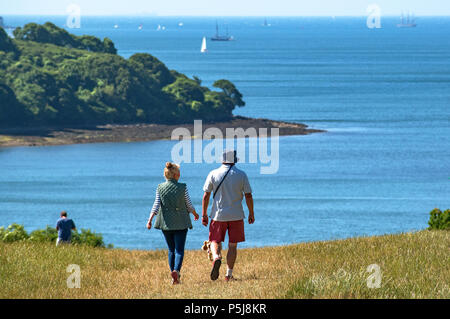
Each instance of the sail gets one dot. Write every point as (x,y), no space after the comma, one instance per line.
(407,20)
(203,49)
(219,37)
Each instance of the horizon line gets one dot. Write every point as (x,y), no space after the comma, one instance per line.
(216,16)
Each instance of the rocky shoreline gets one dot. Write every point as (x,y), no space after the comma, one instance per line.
(42,136)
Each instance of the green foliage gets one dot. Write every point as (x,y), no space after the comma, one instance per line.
(6,44)
(87,237)
(11,111)
(50,33)
(49,234)
(13,233)
(439,219)
(231,91)
(16,232)
(151,67)
(55,78)
(197,79)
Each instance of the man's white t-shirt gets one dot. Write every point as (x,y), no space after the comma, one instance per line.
(227,206)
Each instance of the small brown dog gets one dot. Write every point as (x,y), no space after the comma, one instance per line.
(207,247)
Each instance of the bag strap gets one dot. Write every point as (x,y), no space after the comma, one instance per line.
(220,184)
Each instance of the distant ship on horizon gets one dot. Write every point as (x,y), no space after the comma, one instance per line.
(219,37)
(408,22)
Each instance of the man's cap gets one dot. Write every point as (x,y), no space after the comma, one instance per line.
(229,157)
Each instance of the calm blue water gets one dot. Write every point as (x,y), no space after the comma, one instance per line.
(383,95)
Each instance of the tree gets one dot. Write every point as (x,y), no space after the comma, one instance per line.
(58,78)
(185,90)
(153,68)
(11,111)
(50,33)
(108,46)
(231,91)
(6,44)
(197,79)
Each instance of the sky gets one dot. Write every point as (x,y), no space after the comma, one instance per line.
(225,7)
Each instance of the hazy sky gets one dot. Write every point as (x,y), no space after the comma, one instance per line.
(225,7)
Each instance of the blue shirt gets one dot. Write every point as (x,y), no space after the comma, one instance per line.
(65,226)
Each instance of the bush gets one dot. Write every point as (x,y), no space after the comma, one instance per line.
(14,232)
(17,232)
(439,219)
(48,234)
(87,237)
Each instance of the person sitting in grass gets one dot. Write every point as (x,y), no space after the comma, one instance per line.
(172,207)
(64,226)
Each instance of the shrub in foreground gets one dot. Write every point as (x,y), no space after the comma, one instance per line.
(87,237)
(49,234)
(16,233)
(439,219)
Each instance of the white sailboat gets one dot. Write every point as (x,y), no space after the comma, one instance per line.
(204,49)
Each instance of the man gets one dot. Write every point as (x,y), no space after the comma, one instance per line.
(64,226)
(229,185)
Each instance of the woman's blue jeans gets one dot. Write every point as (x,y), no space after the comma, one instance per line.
(175,240)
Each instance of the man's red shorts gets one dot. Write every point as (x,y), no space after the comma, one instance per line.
(217,231)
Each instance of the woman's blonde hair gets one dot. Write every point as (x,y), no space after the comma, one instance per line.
(171,170)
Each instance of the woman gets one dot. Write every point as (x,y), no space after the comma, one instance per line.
(172,207)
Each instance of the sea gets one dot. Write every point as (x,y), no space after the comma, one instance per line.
(381,94)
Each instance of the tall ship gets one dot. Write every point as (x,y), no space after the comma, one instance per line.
(407,21)
(219,37)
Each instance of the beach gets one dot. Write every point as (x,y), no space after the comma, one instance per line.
(112,133)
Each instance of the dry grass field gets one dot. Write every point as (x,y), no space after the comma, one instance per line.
(412,265)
